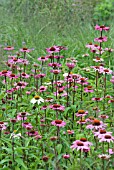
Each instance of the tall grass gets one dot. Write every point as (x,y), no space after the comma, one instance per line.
(43,23)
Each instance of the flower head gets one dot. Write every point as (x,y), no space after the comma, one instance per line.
(37,99)
(58,123)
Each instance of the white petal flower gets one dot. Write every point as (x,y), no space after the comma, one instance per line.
(37,99)
(13,135)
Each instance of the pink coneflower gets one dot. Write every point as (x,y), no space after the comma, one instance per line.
(106,138)
(44,107)
(70,65)
(85,55)
(23,61)
(97,68)
(103,117)
(111,101)
(24,75)
(82,121)
(108,97)
(28,92)
(101,39)
(55,71)
(45,158)
(97,99)
(43,59)
(70,132)
(101,28)
(98,59)
(58,57)
(112,80)
(14,120)
(66,156)
(9,48)
(58,123)
(25,50)
(79,145)
(12,76)
(22,116)
(107,71)
(53,49)
(49,100)
(90,45)
(20,84)
(96,124)
(111,151)
(41,75)
(104,156)
(27,125)
(83,81)
(88,89)
(32,133)
(81,113)
(43,88)
(3,125)
(83,140)
(5,73)
(54,65)
(109,49)
(60,93)
(101,133)
(57,107)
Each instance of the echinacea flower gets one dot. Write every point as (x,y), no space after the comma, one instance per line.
(81,113)
(82,81)
(101,133)
(3,125)
(96,124)
(24,75)
(54,65)
(9,48)
(98,59)
(112,80)
(43,88)
(104,156)
(101,39)
(70,132)
(22,115)
(25,50)
(43,59)
(111,151)
(13,135)
(12,76)
(103,117)
(57,107)
(27,125)
(101,28)
(21,85)
(37,99)
(97,99)
(55,71)
(88,89)
(107,71)
(53,49)
(59,123)
(106,138)
(70,65)
(66,156)
(83,140)
(79,145)
(32,133)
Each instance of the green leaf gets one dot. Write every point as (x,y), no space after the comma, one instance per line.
(20,162)
(59,147)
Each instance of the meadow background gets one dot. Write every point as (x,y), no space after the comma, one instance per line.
(43,23)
